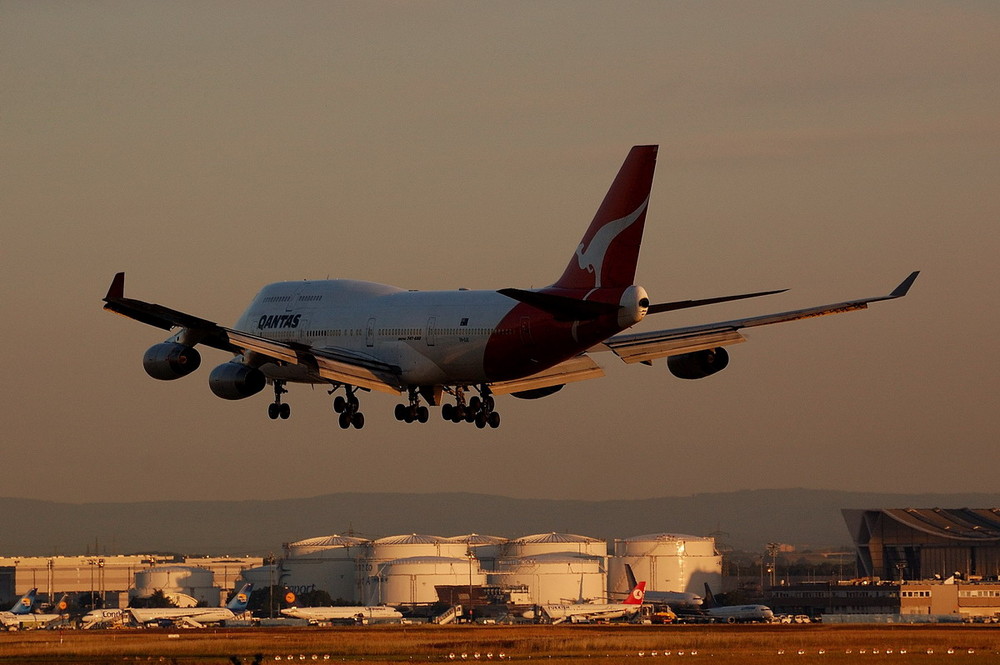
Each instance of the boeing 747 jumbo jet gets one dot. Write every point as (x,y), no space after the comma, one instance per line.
(357,336)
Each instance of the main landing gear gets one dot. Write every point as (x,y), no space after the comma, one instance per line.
(349,409)
(414,412)
(479,409)
(276,409)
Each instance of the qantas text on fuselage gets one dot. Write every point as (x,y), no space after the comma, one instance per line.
(458,349)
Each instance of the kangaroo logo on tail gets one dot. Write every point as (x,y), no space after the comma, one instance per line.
(591,259)
(607,255)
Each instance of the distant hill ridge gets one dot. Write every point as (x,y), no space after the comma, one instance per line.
(745,519)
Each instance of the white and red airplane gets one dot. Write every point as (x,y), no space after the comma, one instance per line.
(352,335)
(557,613)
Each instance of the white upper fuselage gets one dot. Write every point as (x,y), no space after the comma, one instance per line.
(343,612)
(199,614)
(585,611)
(433,337)
(741,613)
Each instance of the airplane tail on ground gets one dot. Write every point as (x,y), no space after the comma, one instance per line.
(240,599)
(630,576)
(24,603)
(710,600)
(636,595)
(609,251)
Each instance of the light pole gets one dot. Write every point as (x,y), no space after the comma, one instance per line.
(772,550)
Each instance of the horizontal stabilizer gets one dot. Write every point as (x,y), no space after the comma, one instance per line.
(684,304)
(561,307)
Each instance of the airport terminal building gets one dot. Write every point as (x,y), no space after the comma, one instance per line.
(926,543)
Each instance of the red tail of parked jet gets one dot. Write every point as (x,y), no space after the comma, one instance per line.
(637,595)
(357,336)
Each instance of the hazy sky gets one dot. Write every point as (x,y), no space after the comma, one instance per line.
(208,148)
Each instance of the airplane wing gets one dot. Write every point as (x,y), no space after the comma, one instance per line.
(648,346)
(579,368)
(330,364)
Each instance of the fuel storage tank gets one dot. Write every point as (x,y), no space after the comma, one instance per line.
(178,581)
(555,577)
(667,562)
(328,563)
(488,549)
(412,580)
(544,543)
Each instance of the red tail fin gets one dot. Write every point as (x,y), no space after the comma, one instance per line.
(607,255)
(637,594)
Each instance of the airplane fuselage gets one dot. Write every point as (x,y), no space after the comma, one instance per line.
(431,337)
(343,612)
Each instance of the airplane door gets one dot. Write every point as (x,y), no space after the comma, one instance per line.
(431,325)
(526,331)
(370,333)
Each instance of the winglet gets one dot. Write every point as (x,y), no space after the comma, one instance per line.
(901,290)
(117,289)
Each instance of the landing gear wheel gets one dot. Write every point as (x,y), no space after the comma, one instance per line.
(284,410)
(358,420)
(344,420)
(423,415)
(493,420)
(447,411)
(400,412)
(273,410)
(339,403)
(480,420)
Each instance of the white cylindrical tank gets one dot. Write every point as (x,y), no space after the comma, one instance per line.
(261,576)
(545,543)
(328,563)
(316,546)
(412,580)
(414,544)
(667,562)
(198,583)
(485,548)
(556,577)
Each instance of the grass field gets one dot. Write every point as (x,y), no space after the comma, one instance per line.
(556,645)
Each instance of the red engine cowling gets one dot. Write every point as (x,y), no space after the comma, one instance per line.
(698,364)
(234,380)
(169,360)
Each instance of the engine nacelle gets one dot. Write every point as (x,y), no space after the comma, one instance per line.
(538,393)
(698,364)
(235,380)
(169,360)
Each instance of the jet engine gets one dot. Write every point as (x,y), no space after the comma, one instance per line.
(234,380)
(169,360)
(538,393)
(698,364)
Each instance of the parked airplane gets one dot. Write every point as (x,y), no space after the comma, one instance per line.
(97,618)
(20,615)
(736,613)
(329,613)
(588,611)
(195,616)
(677,599)
(353,336)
